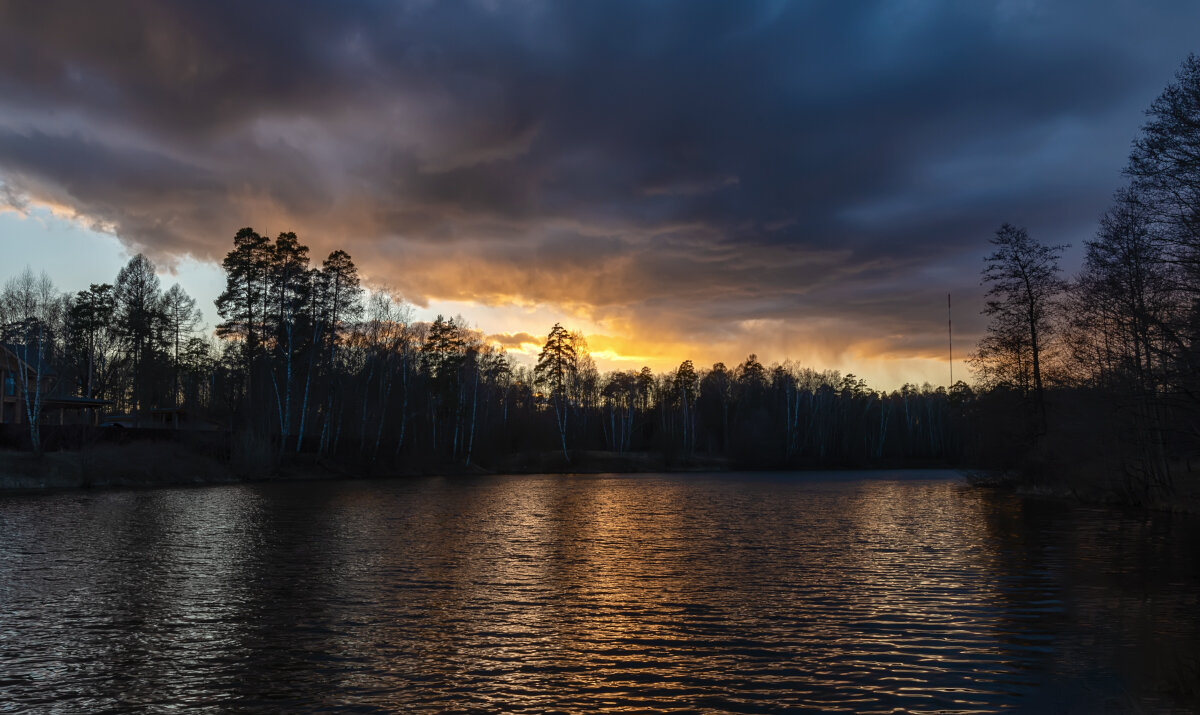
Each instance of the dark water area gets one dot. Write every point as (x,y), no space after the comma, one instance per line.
(877,592)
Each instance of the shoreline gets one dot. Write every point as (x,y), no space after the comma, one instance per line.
(1097,493)
(152,465)
(169,465)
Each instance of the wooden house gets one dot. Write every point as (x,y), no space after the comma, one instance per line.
(20,373)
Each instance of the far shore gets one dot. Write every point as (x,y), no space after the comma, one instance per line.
(167,464)
(144,465)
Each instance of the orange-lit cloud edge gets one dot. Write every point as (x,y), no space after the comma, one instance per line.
(813,201)
(630,316)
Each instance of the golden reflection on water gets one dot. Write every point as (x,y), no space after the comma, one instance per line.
(688,592)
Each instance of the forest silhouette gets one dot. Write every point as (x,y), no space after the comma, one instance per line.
(1087,383)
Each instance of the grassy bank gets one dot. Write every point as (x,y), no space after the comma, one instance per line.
(131,465)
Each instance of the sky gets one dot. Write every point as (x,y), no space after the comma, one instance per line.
(702,180)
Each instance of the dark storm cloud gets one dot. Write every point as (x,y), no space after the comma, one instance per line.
(681,168)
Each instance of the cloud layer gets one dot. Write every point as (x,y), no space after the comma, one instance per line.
(702,177)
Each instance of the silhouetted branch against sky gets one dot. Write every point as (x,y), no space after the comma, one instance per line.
(682,179)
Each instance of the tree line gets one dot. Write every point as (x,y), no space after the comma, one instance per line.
(1101,368)
(1108,363)
(304,361)
(128,342)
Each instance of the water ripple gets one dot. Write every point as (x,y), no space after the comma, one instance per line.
(731,593)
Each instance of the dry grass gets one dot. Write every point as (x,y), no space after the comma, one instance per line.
(148,464)
(136,464)
(26,470)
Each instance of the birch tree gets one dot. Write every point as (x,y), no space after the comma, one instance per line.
(30,310)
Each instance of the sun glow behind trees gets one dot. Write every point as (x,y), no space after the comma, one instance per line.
(309,363)
(46,242)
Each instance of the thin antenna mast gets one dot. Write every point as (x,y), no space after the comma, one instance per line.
(950,338)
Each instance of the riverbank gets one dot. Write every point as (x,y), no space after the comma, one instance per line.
(163,464)
(133,465)
(168,463)
(1099,486)
(151,464)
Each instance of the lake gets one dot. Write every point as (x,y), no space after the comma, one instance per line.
(854,592)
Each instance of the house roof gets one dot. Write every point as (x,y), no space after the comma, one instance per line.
(75,402)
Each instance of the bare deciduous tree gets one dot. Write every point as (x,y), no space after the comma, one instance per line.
(1023,282)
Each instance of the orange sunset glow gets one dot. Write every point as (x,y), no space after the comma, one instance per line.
(599,356)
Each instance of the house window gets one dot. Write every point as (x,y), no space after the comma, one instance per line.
(10,385)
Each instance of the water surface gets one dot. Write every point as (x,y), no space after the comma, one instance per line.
(720,593)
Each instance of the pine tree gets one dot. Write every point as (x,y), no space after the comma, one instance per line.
(290,283)
(243,303)
(89,314)
(180,319)
(341,306)
(554,371)
(137,301)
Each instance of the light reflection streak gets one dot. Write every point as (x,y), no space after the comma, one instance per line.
(696,593)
